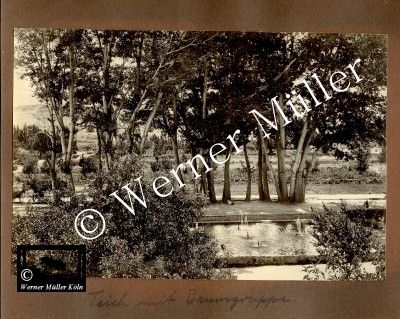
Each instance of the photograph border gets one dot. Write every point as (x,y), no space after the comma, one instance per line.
(302,299)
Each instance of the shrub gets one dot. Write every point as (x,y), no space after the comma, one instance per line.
(362,155)
(123,263)
(161,164)
(88,165)
(39,184)
(29,163)
(21,233)
(344,243)
(335,175)
(44,168)
(18,192)
(157,242)
(65,167)
(382,155)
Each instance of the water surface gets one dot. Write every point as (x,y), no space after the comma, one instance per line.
(271,238)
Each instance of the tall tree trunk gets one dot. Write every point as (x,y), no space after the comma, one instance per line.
(300,182)
(107,156)
(248,173)
(210,182)
(71,114)
(204,113)
(261,193)
(265,176)
(280,152)
(71,181)
(52,161)
(299,195)
(56,105)
(175,149)
(205,88)
(143,96)
(174,139)
(226,194)
(268,162)
(139,65)
(55,101)
(196,182)
(203,178)
(130,139)
(106,46)
(297,159)
(149,121)
(53,173)
(100,165)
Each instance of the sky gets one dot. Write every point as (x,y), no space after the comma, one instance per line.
(22,94)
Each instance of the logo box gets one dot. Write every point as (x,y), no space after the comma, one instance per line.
(51,268)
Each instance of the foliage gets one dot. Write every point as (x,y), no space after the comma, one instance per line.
(41,142)
(362,155)
(161,164)
(65,166)
(156,242)
(17,193)
(344,243)
(29,162)
(22,137)
(207,83)
(39,184)
(341,175)
(382,155)
(88,165)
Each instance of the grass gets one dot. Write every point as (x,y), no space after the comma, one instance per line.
(350,188)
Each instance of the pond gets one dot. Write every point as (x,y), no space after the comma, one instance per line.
(267,238)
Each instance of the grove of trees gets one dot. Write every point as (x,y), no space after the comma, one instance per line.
(197,87)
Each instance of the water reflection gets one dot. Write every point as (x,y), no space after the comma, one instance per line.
(272,238)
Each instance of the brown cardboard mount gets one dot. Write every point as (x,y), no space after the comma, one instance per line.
(168,298)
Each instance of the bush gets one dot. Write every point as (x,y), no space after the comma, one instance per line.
(344,243)
(123,263)
(21,233)
(157,242)
(88,165)
(335,175)
(44,168)
(161,164)
(39,184)
(362,155)
(18,192)
(382,155)
(29,162)
(65,167)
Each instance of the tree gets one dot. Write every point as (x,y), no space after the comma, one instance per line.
(333,123)
(158,241)
(40,142)
(47,149)
(103,80)
(49,58)
(199,86)
(344,242)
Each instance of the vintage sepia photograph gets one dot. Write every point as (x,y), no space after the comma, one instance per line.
(201,155)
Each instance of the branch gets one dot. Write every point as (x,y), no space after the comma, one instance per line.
(285,70)
(192,43)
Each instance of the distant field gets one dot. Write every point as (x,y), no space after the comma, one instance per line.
(333,176)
